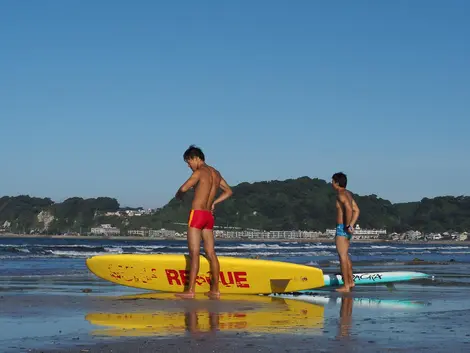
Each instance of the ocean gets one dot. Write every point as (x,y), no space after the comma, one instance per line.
(47,291)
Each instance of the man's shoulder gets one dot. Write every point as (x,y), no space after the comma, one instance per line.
(343,195)
(213,170)
(208,171)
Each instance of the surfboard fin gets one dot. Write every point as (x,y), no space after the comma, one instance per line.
(390,286)
(279,285)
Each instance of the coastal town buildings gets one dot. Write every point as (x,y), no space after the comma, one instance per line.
(131,213)
(152,233)
(362,233)
(262,234)
(105,229)
(256,234)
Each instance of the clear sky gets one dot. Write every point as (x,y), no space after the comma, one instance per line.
(101,98)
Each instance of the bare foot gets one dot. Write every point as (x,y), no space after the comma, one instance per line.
(185,295)
(213,295)
(343,289)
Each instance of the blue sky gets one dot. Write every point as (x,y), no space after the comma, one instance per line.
(102,98)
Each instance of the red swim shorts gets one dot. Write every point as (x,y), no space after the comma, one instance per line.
(201,219)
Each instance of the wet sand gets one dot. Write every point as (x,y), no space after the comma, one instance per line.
(230,343)
(408,319)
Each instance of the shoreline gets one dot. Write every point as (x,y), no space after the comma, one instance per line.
(256,240)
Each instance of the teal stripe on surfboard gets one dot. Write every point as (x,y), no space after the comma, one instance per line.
(375,277)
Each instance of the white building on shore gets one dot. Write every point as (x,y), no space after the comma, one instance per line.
(152,233)
(262,234)
(360,233)
(105,229)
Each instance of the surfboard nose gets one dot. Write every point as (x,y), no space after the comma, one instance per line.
(89,260)
(91,263)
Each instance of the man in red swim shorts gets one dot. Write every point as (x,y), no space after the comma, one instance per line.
(207,182)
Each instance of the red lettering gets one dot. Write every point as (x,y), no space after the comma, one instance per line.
(227,279)
(183,275)
(240,325)
(232,325)
(200,280)
(239,315)
(172,275)
(224,281)
(239,279)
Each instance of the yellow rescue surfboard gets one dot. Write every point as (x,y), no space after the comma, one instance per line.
(170,273)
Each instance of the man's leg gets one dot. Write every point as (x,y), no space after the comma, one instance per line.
(209,249)
(194,244)
(351,280)
(342,246)
(350,269)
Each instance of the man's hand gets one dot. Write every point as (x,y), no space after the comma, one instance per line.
(179,195)
(226,193)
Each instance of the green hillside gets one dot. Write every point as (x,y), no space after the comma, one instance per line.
(294,204)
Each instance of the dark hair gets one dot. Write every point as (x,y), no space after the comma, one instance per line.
(193,152)
(341,179)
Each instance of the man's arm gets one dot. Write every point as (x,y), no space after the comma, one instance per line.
(347,208)
(356,212)
(226,192)
(193,179)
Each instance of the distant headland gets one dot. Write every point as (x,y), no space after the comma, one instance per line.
(302,206)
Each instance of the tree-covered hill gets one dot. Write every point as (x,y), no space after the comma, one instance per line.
(294,204)
(24,213)
(309,204)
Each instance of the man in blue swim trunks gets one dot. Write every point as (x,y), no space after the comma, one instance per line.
(347,213)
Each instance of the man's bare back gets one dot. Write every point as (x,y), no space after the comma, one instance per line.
(343,198)
(206,181)
(206,188)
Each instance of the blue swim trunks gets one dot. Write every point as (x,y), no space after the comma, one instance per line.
(340,232)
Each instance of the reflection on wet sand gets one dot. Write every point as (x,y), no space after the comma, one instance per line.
(345,314)
(359,301)
(345,302)
(258,314)
(162,314)
(192,323)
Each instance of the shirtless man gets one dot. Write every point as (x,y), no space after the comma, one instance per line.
(347,213)
(207,182)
